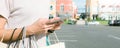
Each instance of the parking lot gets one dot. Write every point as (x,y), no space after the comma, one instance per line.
(91,36)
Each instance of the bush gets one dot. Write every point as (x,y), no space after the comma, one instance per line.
(88,19)
(98,18)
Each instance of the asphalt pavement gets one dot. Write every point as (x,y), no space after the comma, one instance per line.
(89,36)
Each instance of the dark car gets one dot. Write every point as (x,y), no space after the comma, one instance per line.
(114,22)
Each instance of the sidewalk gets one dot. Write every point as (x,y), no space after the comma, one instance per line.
(94,23)
(80,22)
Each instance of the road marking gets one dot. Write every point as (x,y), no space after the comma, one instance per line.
(66,40)
(67,33)
(115,37)
(65,36)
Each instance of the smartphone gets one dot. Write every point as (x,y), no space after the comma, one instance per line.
(55,22)
(62,18)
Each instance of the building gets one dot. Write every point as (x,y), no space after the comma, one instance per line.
(75,11)
(53,8)
(104,8)
(109,9)
(64,7)
(92,7)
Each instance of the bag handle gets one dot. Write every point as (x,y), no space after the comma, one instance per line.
(57,40)
(23,37)
(10,41)
(31,37)
(18,38)
(12,35)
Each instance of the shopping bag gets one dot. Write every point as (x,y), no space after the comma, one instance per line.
(56,44)
(32,43)
(3,45)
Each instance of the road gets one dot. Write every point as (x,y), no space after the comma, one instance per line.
(91,36)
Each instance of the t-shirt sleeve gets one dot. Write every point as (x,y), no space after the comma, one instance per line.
(4,9)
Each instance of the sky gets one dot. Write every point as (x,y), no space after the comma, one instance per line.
(109,2)
(80,4)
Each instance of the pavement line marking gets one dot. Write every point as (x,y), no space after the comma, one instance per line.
(67,33)
(65,36)
(115,37)
(66,40)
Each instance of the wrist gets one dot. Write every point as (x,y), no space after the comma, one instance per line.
(29,30)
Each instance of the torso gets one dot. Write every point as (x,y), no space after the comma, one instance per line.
(26,12)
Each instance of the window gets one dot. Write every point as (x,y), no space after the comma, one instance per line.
(62,7)
(51,7)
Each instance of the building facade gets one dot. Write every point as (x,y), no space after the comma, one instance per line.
(92,7)
(64,7)
(109,9)
(104,8)
(53,8)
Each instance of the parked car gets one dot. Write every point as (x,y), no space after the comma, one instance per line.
(114,22)
(72,21)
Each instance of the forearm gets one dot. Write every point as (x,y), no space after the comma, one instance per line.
(9,32)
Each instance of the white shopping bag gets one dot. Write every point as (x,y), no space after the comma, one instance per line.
(57,45)
(3,45)
(31,43)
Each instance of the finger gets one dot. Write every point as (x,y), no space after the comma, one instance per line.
(57,26)
(55,22)
(47,27)
(54,19)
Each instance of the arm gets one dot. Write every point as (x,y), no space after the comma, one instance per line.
(36,28)
(8,34)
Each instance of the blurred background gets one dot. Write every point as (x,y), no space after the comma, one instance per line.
(88,23)
(86,10)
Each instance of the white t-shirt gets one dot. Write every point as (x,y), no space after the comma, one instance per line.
(21,13)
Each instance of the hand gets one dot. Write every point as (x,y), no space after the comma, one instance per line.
(41,26)
(57,23)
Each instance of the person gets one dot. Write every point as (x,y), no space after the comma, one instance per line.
(31,14)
